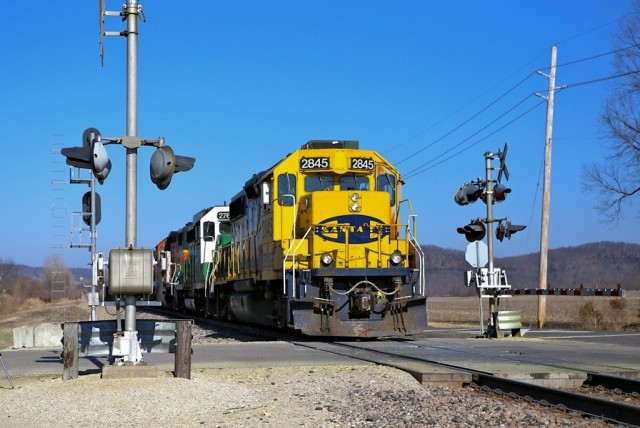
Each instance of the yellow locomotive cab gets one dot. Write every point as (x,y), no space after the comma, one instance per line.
(316,244)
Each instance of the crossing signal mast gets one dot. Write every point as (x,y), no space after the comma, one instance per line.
(130,278)
(490,281)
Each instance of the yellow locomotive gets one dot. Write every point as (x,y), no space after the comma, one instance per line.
(317,245)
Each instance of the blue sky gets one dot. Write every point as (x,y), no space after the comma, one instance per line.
(240,84)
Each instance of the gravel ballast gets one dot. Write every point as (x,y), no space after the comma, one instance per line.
(327,396)
(319,396)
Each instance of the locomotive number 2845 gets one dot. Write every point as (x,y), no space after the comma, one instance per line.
(314,163)
(362,163)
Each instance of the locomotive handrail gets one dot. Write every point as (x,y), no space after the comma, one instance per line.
(209,280)
(176,273)
(174,281)
(412,216)
(234,266)
(293,264)
(413,239)
(295,211)
(420,253)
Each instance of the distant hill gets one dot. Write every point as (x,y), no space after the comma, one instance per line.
(600,264)
(38,272)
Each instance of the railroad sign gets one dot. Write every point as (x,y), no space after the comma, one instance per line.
(477,254)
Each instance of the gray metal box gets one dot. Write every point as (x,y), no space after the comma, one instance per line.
(130,271)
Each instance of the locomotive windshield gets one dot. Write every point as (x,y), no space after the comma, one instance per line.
(354,182)
(286,189)
(316,182)
(387,183)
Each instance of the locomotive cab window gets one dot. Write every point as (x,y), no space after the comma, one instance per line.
(208,230)
(286,189)
(315,182)
(354,182)
(387,183)
(225,227)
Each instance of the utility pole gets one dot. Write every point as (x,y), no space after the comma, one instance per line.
(132,10)
(93,300)
(546,192)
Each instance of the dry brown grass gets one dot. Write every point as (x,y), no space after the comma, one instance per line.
(35,311)
(31,303)
(586,313)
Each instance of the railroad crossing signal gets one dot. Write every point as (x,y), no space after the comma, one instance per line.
(92,155)
(474,231)
(164,163)
(506,229)
(471,192)
(467,193)
(489,280)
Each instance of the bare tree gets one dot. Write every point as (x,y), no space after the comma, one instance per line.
(617,179)
(7,274)
(55,270)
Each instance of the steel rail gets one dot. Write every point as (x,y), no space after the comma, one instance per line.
(593,406)
(611,382)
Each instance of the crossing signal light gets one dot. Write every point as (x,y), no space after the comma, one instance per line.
(500,192)
(92,155)
(86,209)
(467,193)
(164,163)
(474,231)
(506,229)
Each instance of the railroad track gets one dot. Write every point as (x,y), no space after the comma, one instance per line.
(568,400)
(608,410)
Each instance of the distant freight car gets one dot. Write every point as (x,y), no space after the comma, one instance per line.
(314,244)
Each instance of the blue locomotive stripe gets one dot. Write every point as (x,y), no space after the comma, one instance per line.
(362,229)
(361,272)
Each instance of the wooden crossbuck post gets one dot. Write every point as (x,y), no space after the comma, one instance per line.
(70,350)
(183,349)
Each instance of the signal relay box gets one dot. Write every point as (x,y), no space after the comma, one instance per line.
(130,271)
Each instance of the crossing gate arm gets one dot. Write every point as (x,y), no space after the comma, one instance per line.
(603,292)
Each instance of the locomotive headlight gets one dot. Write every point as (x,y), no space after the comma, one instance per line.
(326,259)
(354,206)
(396,258)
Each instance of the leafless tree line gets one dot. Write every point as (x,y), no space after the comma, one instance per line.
(616,180)
(17,288)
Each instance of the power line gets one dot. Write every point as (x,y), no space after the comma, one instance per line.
(426,166)
(602,79)
(589,58)
(485,108)
(422,168)
(430,164)
(466,121)
(606,24)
